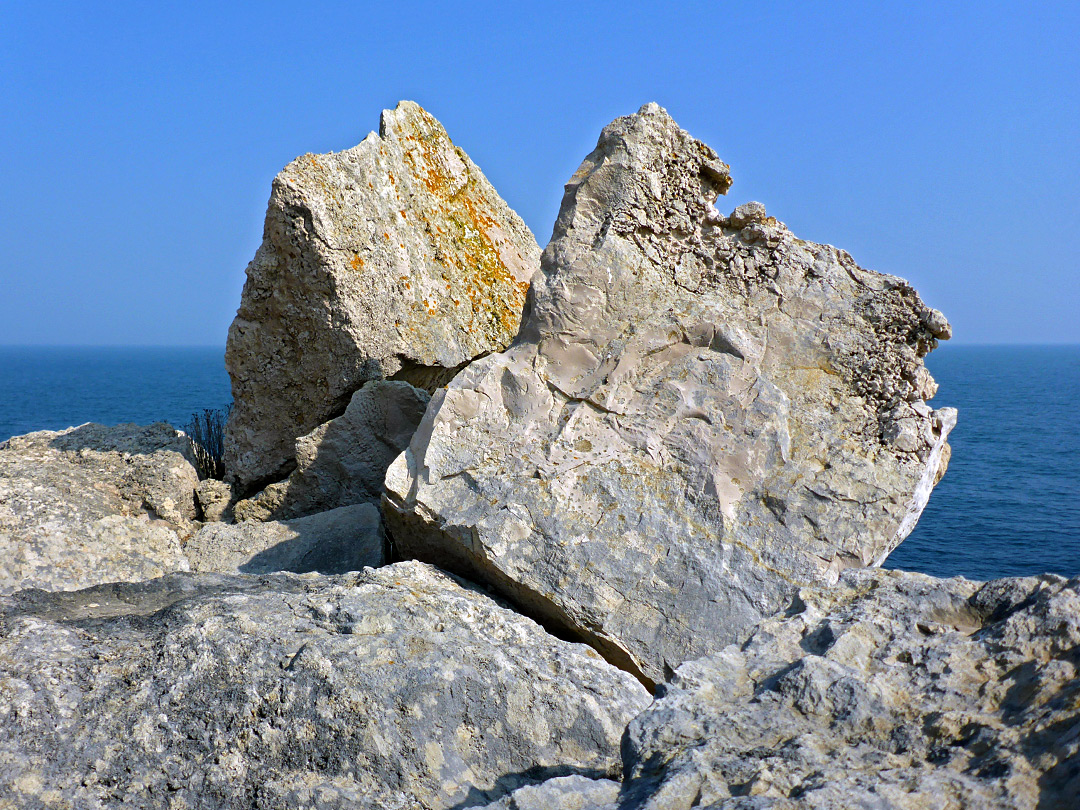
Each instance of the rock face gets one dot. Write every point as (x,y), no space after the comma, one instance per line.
(889,690)
(332,542)
(344,461)
(395,258)
(392,688)
(94,504)
(700,414)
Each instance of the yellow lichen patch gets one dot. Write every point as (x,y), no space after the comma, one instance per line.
(356,262)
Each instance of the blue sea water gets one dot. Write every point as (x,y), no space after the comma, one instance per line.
(1009,504)
(51,388)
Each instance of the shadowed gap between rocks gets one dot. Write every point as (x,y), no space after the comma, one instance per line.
(529,603)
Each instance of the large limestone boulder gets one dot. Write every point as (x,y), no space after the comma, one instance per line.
(889,690)
(392,688)
(332,542)
(344,461)
(395,258)
(94,504)
(701,413)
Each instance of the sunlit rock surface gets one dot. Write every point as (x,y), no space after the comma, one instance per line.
(393,258)
(94,504)
(701,414)
(392,688)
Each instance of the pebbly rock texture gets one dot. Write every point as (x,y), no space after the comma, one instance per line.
(395,258)
(391,688)
(333,542)
(890,690)
(344,461)
(700,414)
(214,499)
(94,504)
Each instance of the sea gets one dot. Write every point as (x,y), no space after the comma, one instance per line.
(1008,506)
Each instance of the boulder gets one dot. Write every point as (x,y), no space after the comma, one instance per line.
(94,504)
(395,258)
(344,461)
(391,688)
(700,414)
(891,689)
(214,499)
(333,542)
(574,792)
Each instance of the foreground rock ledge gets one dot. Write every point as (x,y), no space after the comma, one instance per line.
(395,257)
(391,688)
(94,504)
(888,690)
(700,414)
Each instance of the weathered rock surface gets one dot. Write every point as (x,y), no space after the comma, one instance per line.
(393,258)
(700,414)
(344,461)
(214,499)
(891,690)
(94,504)
(391,688)
(561,793)
(333,542)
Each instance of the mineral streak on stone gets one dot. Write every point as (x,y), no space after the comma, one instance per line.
(344,461)
(890,689)
(395,257)
(391,688)
(701,414)
(94,504)
(333,542)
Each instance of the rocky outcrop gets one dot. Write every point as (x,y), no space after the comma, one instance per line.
(344,461)
(889,690)
(333,542)
(701,413)
(392,688)
(395,258)
(94,504)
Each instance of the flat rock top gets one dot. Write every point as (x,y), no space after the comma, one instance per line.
(700,414)
(391,688)
(395,257)
(93,504)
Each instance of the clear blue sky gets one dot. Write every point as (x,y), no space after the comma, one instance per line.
(936,141)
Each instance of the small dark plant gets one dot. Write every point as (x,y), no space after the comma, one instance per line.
(207,433)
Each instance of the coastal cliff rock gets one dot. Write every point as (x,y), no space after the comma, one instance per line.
(332,542)
(889,690)
(94,504)
(701,414)
(395,258)
(344,461)
(391,688)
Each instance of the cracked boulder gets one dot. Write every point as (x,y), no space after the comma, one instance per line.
(395,258)
(94,504)
(701,414)
(396,688)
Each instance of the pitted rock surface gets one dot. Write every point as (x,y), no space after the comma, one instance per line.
(700,414)
(395,257)
(344,461)
(94,504)
(332,542)
(393,688)
(890,689)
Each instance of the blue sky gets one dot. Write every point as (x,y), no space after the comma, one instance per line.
(936,141)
